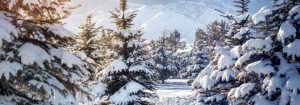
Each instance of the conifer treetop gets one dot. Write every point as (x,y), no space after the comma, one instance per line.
(39,11)
(122,20)
(242,5)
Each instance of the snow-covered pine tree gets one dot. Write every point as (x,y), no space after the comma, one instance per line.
(184,61)
(269,69)
(104,52)
(173,44)
(199,58)
(85,45)
(152,46)
(215,81)
(88,30)
(89,48)
(35,68)
(215,36)
(173,41)
(243,5)
(128,76)
(163,64)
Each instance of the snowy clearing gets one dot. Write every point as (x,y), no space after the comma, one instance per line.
(174,92)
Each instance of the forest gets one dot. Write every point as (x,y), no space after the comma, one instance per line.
(241,59)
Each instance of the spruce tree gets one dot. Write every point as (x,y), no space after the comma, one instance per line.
(129,75)
(199,54)
(215,81)
(185,61)
(104,48)
(242,5)
(215,36)
(35,66)
(270,67)
(85,37)
(265,68)
(162,60)
(173,44)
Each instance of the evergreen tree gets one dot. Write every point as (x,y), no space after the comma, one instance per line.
(35,66)
(90,47)
(215,81)
(86,47)
(163,62)
(173,41)
(269,67)
(105,52)
(265,68)
(85,36)
(242,5)
(199,54)
(185,60)
(129,75)
(173,44)
(215,36)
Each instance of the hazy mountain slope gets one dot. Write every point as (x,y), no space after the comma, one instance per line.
(155,16)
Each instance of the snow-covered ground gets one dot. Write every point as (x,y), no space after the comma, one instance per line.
(174,92)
